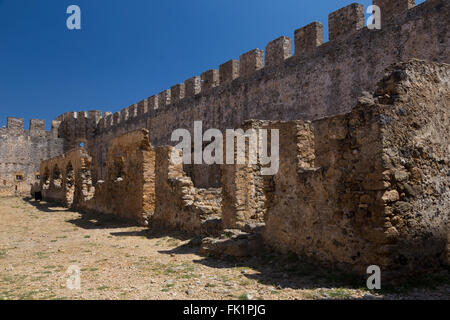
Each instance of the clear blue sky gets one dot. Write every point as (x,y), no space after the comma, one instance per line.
(129,50)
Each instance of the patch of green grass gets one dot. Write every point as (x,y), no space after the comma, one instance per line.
(87,237)
(102,288)
(173,242)
(2,253)
(41,255)
(211,285)
(245,283)
(28,295)
(37,279)
(93,269)
(243,296)
(49,267)
(188,276)
(7,279)
(224,278)
(339,293)
(170,271)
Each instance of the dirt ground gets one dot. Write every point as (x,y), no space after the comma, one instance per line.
(40,242)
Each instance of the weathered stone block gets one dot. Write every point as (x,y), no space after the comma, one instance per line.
(278,50)
(193,86)
(392,8)
(229,71)
(177,92)
(142,108)
(116,118)
(251,61)
(109,120)
(210,79)
(14,124)
(346,21)
(308,38)
(132,111)
(124,115)
(37,127)
(164,99)
(153,103)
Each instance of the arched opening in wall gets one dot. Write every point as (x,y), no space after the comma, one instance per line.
(46,179)
(118,169)
(103,162)
(88,189)
(57,177)
(70,184)
(204,175)
(81,145)
(4,182)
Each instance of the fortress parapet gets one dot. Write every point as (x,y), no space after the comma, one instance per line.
(308,38)
(346,34)
(317,80)
(346,21)
(15,127)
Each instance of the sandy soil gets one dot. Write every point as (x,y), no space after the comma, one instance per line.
(39,242)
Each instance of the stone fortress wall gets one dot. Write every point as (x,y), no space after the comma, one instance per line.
(320,79)
(21,152)
(366,187)
(364,147)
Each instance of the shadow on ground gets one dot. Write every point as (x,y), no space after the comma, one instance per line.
(87,220)
(279,271)
(44,206)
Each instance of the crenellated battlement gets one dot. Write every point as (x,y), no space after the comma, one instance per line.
(16,127)
(342,23)
(21,152)
(319,87)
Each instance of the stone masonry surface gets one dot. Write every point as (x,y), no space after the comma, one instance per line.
(364,146)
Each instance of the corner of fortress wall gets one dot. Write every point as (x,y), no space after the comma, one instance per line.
(21,152)
(318,79)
